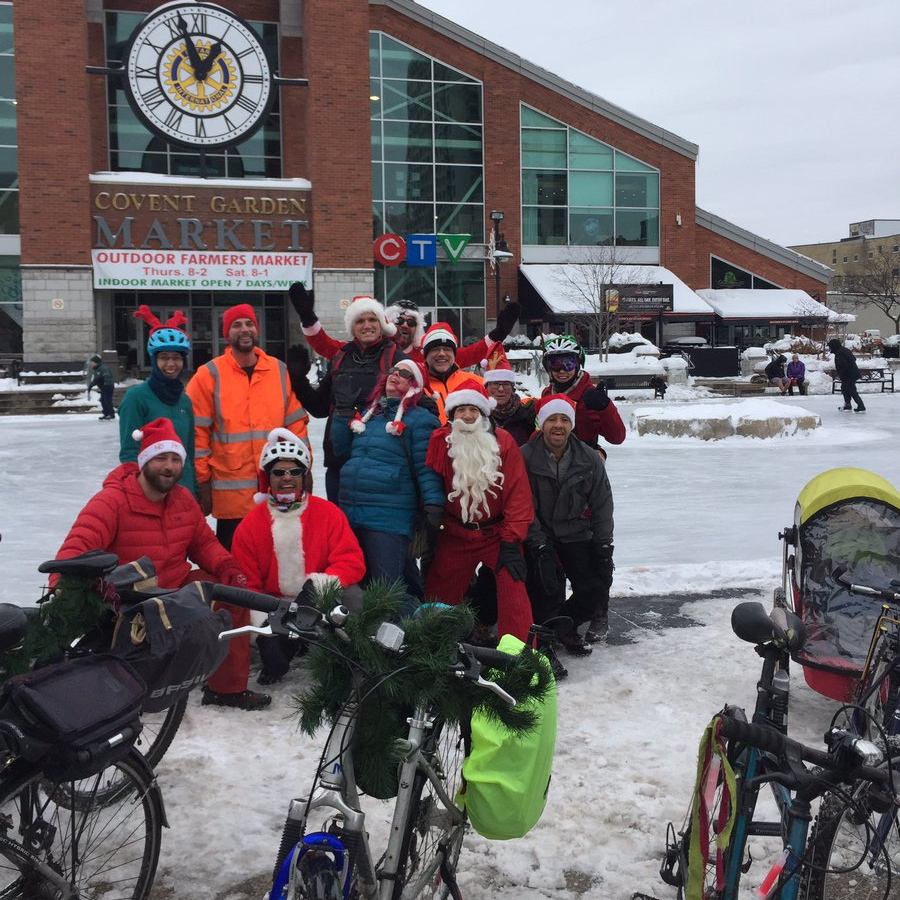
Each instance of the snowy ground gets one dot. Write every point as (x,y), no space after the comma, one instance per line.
(691,518)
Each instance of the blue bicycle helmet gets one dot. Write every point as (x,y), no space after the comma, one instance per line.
(168,339)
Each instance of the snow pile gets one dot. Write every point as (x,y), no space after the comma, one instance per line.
(715,421)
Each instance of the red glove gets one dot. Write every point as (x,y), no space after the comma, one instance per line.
(232,575)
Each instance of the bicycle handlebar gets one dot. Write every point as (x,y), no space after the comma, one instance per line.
(245,598)
(494,659)
(845,578)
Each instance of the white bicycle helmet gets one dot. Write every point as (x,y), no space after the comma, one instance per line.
(284,444)
(562,345)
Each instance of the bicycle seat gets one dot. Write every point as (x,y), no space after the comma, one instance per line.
(13,625)
(91,564)
(751,623)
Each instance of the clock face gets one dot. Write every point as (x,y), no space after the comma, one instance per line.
(196,74)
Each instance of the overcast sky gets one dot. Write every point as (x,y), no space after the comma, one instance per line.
(794,103)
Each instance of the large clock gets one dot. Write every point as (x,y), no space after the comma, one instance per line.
(196,74)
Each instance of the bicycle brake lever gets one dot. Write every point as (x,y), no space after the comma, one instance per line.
(245,629)
(493,686)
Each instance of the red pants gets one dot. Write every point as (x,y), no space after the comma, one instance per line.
(231,677)
(457,555)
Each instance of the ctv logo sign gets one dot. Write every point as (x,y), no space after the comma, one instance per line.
(419,249)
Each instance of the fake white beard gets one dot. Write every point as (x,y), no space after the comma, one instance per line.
(476,467)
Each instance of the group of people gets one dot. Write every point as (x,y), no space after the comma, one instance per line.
(431,473)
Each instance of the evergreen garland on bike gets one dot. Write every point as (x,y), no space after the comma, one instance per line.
(73,608)
(398,682)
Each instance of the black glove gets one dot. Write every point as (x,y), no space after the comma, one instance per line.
(507,316)
(605,562)
(510,558)
(596,398)
(304,302)
(434,516)
(344,395)
(298,363)
(547,570)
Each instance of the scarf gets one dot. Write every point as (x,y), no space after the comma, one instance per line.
(502,413)
(167,389)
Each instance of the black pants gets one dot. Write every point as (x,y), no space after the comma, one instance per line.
(225,529)
(848,389)
(106,400)
(591,579)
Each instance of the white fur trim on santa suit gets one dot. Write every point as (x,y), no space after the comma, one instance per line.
(499,375)
(553,407)
(361,305)
(287,545)
(477,399)
(310,330)
(392,313)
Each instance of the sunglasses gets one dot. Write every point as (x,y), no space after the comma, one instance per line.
(563,364)
(296,472)
(407,320)
(402,372)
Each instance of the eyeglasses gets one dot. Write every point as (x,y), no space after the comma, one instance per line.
(402,372)
(296,472)
(563,364)
(407,320)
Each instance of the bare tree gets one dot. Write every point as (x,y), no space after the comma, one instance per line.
(875,283)
(812,313)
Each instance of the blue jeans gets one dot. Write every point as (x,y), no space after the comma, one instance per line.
(387,556)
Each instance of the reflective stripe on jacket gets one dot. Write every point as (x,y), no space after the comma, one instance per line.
(439,388)
(233,415)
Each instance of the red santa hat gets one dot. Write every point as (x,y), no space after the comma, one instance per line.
(281,444)
(416,386)
(497,367)
(553,404)
(241,311)
(360,306)
(469,393)
(439,335)
(157,437)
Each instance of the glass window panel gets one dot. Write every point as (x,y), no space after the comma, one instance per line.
(543,148)
(592,189)
(9,212)
(408,182)
(400,61)
(591,227)
(6,28)
(625,163)
(587,153)
(189,164)
(531,117)
(461,285)
(9,168)
(126,133)
(414,283)
(377,175)
(377,220)
(634,189)
(457,102)
(473,327)
(544,225)
(451,317)
(637,228)
(458,143)
(7,77)
(406,100)
(407,141)
(461,219)
(7,123)
(409,218)
(377,148)
(375,105)
(374,54)
(445,73)
(119,26)
(544,188)
(462,184)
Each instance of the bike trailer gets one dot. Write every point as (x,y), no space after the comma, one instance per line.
(845,519)
(507,776)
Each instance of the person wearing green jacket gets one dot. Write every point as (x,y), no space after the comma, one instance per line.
(162,395)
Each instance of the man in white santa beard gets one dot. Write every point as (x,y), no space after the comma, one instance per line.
(489,508)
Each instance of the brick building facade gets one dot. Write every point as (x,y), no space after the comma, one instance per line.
(409,124)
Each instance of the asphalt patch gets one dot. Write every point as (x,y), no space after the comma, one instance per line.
(652,612)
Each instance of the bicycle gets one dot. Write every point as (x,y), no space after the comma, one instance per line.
(751,754)
(58,839)
(428,823)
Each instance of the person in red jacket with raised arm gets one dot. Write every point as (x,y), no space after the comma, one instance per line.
(489,508)
(143,511)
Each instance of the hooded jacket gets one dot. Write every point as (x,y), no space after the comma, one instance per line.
(121,520)
(844,362)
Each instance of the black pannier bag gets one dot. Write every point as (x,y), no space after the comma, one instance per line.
(171,638)
(62,716)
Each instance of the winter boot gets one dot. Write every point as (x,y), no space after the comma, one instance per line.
(558,669)
(248,700)
(574,645)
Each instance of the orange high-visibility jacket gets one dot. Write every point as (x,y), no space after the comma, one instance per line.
(439,388)
(233,415)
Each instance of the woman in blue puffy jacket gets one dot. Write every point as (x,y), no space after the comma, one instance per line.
(386,472)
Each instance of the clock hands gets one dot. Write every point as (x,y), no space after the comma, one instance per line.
(207,64)
(193,55)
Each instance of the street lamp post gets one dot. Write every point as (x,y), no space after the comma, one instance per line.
(497,252)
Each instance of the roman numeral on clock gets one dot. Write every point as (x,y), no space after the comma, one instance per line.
(173,119)
(245,104)
(154,97)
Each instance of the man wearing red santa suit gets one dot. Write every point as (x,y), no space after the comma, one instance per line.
(489,508)
(292,539)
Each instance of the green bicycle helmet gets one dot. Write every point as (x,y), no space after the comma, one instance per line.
(562,345)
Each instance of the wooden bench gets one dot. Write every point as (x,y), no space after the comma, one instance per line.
(873,376)
(656,383)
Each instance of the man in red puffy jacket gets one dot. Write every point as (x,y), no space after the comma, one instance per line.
(143,511)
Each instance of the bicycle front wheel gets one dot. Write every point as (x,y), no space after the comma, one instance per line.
(435,830)
(159,730)
(856,850)
(101,850)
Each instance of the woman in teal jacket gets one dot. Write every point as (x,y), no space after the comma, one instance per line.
(162,394)
(387,447)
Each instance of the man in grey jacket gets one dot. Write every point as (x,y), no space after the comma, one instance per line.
(572,532)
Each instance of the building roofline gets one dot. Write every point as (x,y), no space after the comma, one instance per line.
(510,60)
(790,258)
